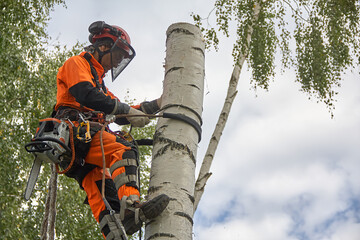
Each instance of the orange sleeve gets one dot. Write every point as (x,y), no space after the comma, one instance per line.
(75,70)
(138,107)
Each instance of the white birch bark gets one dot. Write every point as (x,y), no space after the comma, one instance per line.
(176,142)
(204,172)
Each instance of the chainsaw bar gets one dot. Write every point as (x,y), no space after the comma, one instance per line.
(32,178)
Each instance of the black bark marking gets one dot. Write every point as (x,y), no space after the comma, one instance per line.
(180,30)
(187,216)
(173,69)
(193,85)
(151,190)
(192,199)
(199,49)
(161,235)
(172,145)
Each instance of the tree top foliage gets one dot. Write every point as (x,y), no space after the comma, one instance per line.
(324,33)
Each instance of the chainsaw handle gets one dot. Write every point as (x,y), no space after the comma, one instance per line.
(37,146)
(43,145)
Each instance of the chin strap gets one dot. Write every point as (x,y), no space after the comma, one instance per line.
(101,53)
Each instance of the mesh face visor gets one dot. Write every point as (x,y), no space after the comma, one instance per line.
(121,55)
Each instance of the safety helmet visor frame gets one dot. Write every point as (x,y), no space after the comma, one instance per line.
(118,64)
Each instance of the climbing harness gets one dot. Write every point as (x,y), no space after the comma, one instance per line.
(51,141)
(95,79)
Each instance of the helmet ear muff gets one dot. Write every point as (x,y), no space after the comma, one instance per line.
(91,37)
(96,27)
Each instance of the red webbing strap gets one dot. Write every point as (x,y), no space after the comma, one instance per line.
(72,145)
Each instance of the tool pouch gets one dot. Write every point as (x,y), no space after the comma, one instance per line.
(82,146)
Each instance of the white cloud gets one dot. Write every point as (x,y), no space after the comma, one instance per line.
(346,230)
(271,227)
(283,154)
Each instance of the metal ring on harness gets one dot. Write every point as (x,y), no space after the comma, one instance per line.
(87,135)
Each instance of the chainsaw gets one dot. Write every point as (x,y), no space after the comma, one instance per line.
(50,145)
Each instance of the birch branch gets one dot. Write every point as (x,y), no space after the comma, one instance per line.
(205,173)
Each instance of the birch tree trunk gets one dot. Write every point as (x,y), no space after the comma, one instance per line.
(204,172)
(175,142)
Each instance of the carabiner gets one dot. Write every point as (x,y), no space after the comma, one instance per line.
(87,135)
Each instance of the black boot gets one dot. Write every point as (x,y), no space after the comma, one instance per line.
(139,212)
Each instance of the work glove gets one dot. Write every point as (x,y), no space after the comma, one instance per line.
(137,121)
(151,107)
(124,109)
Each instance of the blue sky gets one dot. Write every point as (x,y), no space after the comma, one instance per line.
(284,170)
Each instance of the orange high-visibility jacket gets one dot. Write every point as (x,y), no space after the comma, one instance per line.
(77,89)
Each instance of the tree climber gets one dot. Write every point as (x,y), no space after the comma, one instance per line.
(82,96)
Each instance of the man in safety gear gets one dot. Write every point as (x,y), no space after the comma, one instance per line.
(81,93)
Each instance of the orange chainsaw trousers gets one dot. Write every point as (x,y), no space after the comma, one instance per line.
(113,151)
